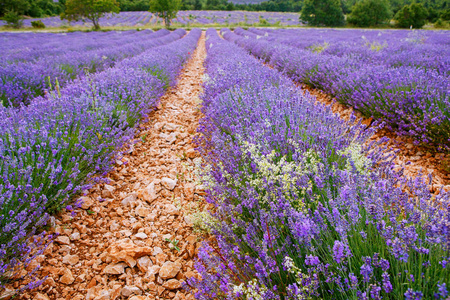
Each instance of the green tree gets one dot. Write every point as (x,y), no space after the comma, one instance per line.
(13,19)
(12,10)
(414,15)
(322,12)
(370,13)
(197,5)
(17,6)
(166,9)
(91,10)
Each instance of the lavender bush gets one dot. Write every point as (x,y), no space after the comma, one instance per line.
(64,142)
(304,208)
(401,81)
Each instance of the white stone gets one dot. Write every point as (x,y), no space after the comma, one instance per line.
(169,183)
(141,236)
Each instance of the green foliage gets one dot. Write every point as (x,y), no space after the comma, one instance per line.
(414,15)
(32,8)
(166,9)
(445,15)
(91,10)
(17,6)
(322,13)
(440,24)
(370,13)
(13,19)
(133,5)
(273,5)
(38,24)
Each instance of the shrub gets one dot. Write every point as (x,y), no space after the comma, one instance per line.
(322,13)
(370,13)
(13,19)
(38,24)
(414,15)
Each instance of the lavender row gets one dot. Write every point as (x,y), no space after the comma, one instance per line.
(411,101)
(26,47)
(304,209)
(21,82)
(63,143)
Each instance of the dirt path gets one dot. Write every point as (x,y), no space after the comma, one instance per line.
(139,242)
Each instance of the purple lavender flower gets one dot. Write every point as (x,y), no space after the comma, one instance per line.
(340,251)
(413,295)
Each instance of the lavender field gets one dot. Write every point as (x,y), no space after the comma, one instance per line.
(184,18)
(193,165)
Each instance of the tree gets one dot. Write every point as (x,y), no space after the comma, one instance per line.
(17,6)
(91,10)
(166,9)
(197,5)
(322,12)
(414,15)
(370,13)
(12,10)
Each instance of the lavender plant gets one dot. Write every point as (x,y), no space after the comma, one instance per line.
(305,208)
(65,142)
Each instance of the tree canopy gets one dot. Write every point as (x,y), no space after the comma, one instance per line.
(414,15)
(166,9)
(91,10)
(370,13)
(322,13)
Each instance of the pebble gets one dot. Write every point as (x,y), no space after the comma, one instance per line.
(169,270)
(127,291)
(115,269)
(67,277)
(141,236)
(71,259)
(172,284)
(62,239)
(169,183)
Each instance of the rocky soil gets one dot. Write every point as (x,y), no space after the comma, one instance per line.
(135,237)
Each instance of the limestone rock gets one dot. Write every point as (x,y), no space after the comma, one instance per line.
(141,236)
(144,263)
(108,191)
(127,252)
(127,291)
(142,211)
(129,199)
(71,259)
(172,210)
(40,296)
(67,277)
(62,239)
(87,202)
(115,269)
(169,183)
(169,270)
(172,284)
(149,193)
